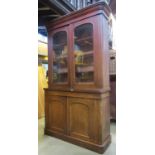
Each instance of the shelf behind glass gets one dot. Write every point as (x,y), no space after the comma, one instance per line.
(60,57)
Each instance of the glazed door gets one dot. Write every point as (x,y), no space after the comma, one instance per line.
(84,54)
(59,59)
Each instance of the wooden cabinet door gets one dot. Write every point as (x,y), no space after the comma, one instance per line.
(81,123)
(58,51)
(86,68)
(56,113)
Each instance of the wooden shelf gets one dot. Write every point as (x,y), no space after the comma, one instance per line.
(83,39)
(85,53)
(80,69)
(62,71)
(59,45)
(61,56)
(88,53)
(83,65)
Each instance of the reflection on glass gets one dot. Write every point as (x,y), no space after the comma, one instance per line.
(60,55)
(83,53)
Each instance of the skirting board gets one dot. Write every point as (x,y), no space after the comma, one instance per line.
(91,146)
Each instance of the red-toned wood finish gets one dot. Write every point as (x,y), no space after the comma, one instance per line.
(80,118)
(77,110)
(98,17)
(50,61)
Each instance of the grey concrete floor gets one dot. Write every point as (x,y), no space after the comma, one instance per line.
(52,146)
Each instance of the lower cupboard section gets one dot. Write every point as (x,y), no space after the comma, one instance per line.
(80,119)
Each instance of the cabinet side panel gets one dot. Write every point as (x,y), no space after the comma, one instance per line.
(105,118)
(105,51)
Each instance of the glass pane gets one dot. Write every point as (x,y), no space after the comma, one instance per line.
(83,53)
(60,56)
